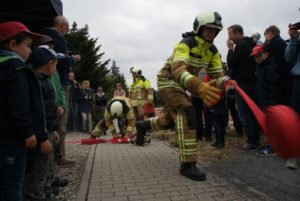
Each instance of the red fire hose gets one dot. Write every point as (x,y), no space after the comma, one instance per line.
(280,124)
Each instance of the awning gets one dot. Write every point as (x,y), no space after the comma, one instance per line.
(36,14)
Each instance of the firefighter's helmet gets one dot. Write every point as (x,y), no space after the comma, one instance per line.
(116,109)
(136,70)
(208,19)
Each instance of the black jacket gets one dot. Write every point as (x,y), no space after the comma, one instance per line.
(63,65)
(22,112)
(52,118)
(240,64)
(268,83)
(276,48)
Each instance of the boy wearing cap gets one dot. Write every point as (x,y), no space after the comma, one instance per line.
(21,116)
(267,79)
(43,60)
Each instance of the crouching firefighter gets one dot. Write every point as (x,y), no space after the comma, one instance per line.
(119,120)
(180,74)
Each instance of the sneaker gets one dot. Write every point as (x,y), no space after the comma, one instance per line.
(248,148)
(66,163)
(291,163)
(59,182)
(265,151)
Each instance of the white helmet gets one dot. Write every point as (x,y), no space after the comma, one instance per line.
(209,19)
(116,108)
(136,70)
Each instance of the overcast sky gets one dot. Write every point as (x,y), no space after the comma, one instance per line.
(143,33)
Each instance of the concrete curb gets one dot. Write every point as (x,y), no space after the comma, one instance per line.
(82,192)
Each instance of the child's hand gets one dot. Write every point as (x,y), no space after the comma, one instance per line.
(56,137)
(60,111)
(30,143)
(46,147)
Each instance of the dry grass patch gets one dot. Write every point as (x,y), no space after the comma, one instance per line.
(205,153)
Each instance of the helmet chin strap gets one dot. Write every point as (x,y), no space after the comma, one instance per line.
(116,125)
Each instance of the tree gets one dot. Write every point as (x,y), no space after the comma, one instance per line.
(91,67)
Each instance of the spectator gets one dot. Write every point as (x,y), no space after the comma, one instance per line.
(267,79)
(100,102)
(256,38)
(231,107)
(85,106)
(242,70)
(119,90)
(22,123)
(200,112)
(74,90)
(275,46)
(43,61)
(56,32)
(60,101)
(292,55)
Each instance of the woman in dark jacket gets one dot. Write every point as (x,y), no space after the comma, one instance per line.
(85,106)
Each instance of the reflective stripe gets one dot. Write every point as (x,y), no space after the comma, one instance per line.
(129,128)
(111,128)
(184,77)
(179,127)
(154,123)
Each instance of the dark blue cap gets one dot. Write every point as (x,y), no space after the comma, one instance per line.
(42,55)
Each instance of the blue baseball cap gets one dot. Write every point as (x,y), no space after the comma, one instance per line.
(42,55)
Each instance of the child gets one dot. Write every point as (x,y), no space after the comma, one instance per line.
(21,116)
(267,79)
(119,90)
(43,60)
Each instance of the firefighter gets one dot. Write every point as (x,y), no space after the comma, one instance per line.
(140,93)
(179,73)
(119,119)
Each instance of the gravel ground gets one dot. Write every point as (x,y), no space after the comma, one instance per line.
(75,152)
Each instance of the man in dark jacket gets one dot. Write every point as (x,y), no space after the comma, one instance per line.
(242,70)
(275,45)
(56,32)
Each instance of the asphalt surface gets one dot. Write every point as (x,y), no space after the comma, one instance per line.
(266,174)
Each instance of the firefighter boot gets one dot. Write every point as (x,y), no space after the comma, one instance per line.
(191,171)
(141,127)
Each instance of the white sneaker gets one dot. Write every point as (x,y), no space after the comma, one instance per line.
(291,163)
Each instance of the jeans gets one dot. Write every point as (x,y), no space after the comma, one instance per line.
(295,100)
(86,121)
(12,170)
(246,115)
(199,111)
(231,107)
(218,115)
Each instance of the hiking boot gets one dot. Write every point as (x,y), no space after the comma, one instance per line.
(66,163)
(141,128)
(191,171)
(59,182)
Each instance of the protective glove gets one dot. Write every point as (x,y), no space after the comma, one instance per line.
(208,93)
